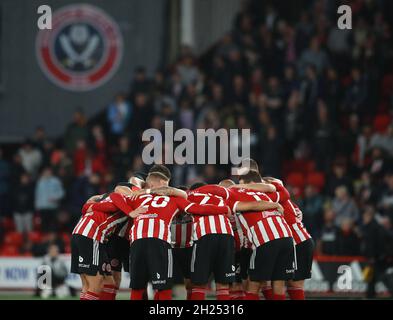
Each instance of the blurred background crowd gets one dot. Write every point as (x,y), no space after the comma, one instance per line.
(318,100)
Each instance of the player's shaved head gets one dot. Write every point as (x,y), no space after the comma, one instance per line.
(251,177)
(252,164)
(226,183)
(160,170)
(159,176)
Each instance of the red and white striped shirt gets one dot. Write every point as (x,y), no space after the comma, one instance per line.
(182,228)
(294,216)
(98,225)
(209,224)
(299,231)
(161,210)
(264,226)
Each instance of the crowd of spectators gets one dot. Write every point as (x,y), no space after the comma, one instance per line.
(318,100)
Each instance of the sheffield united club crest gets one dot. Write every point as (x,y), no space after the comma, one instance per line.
(82,50)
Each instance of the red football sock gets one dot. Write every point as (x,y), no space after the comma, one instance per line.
(145,296)
(237,295)
(137,294)
(267,292)
(296,293)
(278,296)
(189,291)
(82,296)
(198,294)
(163,295)
(251,296)
(222,294)
(108,292)
(91,296)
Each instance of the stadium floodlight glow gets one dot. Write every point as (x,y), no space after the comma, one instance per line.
(185,146)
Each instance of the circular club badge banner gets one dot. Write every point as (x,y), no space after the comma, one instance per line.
(82,50)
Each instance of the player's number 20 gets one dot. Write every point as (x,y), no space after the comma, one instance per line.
(156,202)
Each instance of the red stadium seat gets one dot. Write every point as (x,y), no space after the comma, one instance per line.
(316,179)
(8,224)
(35,236)
(66,238)
(37,222)
(9,251)
(381,122)
(296,179)
(13,238)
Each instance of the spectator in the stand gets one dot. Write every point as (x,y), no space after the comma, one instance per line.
(323,137)
(5,172)
(23,202)
(386,199)
(122,159)
(119,114)
(339,177)
(76,131)
(363,145)
(271,157)
(39,138)
(31,158)
(186,69)
(348,240)
(383,140)
(328,240)
(344,206)
(377,247)
(312,208)
(48,193)
(356,94)
(140,83)
(143,113)
(314,55)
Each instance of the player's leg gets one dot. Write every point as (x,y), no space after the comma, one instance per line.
(245,257)
(261,268)
(85,287)
(224,269)
(283,268)
(87,260)
(267,290)
(304,256)
(138,269)
(75,264)
(109,288)
(160,265)
(236,288)
(200,266)
(186,269)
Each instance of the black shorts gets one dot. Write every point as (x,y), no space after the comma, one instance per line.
(213,254)
(273,260)
(151,261)
(182,263)
(304,256)
(118,249)
(242,258)
(89,256)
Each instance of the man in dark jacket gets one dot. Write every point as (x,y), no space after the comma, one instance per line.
(377,248)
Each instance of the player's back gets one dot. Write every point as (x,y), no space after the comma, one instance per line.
(203,225)
(155,222)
